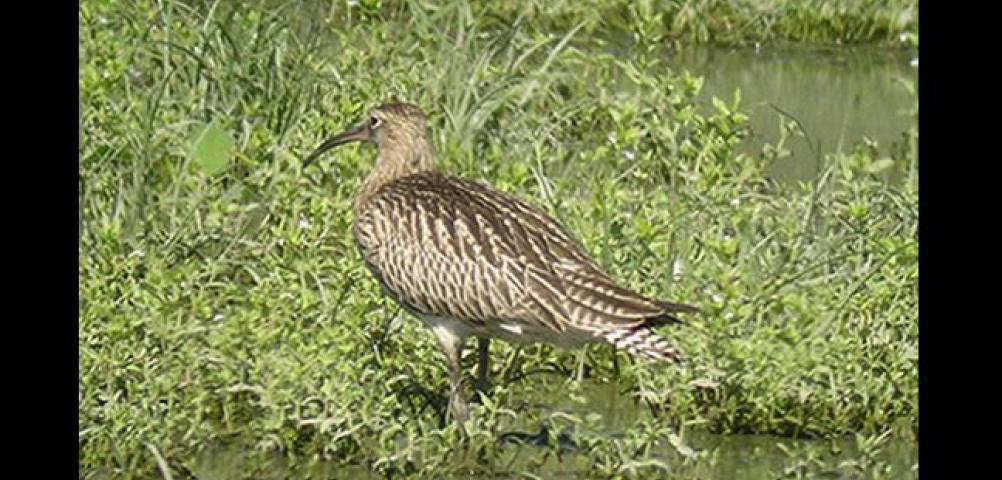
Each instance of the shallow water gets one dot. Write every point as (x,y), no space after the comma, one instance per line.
(716,456)
(840,94)
(734,455)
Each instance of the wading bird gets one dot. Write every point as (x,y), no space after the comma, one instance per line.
(469,260)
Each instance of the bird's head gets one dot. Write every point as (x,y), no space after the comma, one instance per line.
(398,130)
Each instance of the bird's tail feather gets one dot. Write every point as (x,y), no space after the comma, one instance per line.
(641,341)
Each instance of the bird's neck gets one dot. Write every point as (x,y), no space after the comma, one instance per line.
(392,164)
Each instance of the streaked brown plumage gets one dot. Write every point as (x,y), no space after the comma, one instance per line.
(472,261)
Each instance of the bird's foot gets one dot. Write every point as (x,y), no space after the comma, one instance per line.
(460,411)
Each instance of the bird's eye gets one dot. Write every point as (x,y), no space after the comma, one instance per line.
(374,122)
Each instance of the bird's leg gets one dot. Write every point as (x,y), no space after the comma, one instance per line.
(483,349)
(452,348)
(460,410)
(582,356)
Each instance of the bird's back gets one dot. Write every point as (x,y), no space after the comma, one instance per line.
(447,247)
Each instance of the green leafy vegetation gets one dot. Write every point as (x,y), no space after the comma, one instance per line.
(223,307)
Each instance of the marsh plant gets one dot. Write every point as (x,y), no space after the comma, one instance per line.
(223,307)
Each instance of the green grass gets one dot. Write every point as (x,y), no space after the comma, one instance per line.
(223,302)
(679,22)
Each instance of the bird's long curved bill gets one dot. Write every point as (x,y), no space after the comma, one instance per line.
(356,134)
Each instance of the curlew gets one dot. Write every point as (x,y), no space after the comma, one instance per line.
(469,260)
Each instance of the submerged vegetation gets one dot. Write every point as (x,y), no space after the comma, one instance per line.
(223,305)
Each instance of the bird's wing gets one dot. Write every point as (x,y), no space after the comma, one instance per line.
(452,247)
